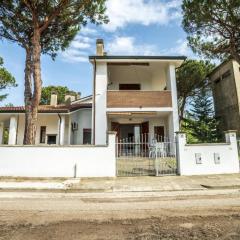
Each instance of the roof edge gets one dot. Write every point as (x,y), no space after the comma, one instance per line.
(138,57)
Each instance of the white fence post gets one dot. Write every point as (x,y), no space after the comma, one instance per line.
(181,140)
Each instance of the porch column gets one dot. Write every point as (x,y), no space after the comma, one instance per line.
(62,130)
(12,131)
(100,111)
(1,132)
(174,118)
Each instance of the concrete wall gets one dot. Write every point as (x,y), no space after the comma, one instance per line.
(200,159)
(226,93)
(45,161)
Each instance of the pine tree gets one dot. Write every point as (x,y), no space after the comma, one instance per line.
(200,122)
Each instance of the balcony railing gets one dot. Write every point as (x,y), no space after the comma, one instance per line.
(136,99)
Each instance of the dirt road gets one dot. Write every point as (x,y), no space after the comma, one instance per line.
(187,215)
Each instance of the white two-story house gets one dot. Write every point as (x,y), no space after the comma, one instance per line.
(134,95)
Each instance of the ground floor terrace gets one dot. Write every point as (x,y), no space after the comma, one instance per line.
(51,128)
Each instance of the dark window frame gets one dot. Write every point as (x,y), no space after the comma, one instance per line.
(129,86)
(52,135)
(87,131)
(43,131)
(226,74)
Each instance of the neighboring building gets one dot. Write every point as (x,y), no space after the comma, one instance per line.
(132,95)
(225,80)
(68,124)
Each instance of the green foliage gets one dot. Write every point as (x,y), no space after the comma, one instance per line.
(6,79)
(191,77)
(213,27)
(59,21)
(59,90)
(200,122)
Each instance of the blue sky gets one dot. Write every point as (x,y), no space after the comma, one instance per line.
(137,27)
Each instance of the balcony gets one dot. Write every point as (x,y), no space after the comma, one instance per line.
(138,99)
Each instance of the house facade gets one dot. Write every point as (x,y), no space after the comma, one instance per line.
(134,96)
(65,124)
(225,80)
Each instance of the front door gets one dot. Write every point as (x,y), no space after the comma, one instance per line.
(159,133)
(144,138)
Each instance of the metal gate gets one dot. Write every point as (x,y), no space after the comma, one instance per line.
(146,156)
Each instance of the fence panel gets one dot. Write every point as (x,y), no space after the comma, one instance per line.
(146,156)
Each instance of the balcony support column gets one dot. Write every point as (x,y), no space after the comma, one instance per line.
(100,111)
(173,117)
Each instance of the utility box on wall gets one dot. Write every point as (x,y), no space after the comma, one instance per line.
(216,158)
(198,158)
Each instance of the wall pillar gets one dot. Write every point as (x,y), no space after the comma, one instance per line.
(181,141)
(12,131)
(1,132)
(100,111)
(62,130)
(171,85)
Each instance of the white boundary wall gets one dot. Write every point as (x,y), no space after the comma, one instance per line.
(69,161)
(200,159)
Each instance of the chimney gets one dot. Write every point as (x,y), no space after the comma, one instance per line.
(53,100)
(78,95)
(69,98)
(100,47)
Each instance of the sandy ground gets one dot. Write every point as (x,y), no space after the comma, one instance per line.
(189,215)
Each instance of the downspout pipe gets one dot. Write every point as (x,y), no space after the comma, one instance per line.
(94,101)
(59,128)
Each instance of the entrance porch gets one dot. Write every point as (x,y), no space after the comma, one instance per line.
(136,126)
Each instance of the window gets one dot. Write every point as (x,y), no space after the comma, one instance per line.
(217,80)
(129,87)
(226,74)
(87,133)
(43,134)
(51,139)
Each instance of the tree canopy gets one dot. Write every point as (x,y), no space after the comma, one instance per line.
(191,77)
(44,27)
(61,91)
(6,79)
(200,122)
(213,27)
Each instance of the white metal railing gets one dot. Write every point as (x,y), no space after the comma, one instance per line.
(145,155)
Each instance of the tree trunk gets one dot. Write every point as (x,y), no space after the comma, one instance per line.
(181,111)
(32,107)
(28,95)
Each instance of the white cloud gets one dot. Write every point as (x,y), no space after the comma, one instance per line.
(80,47)
(88,31)
(128,46)
(181,48)
(144,12)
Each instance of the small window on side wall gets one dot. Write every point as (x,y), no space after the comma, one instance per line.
(52,139)
(43,134)
(87,132)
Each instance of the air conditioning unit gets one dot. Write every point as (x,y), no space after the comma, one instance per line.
(74,126)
